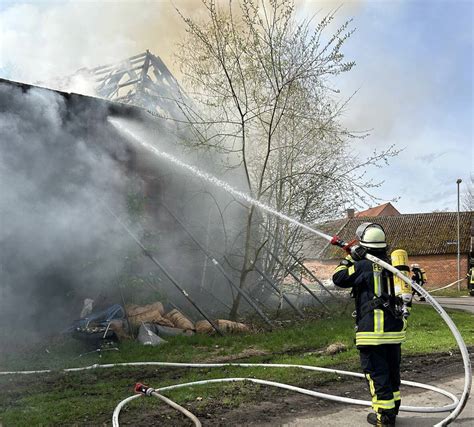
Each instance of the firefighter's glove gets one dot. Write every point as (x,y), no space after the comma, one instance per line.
(358,252)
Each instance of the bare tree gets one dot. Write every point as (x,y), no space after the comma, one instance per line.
(468,196)
(261,85)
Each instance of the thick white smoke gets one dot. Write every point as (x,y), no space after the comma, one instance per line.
(58,244)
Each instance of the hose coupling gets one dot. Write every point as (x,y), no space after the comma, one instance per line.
(143,389)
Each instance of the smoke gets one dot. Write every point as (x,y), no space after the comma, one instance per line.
(61,166)
(43,41)
(58,166)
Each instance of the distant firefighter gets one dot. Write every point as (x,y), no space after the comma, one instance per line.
(470,281)
(419,276)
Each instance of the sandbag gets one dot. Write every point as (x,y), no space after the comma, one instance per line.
(179,320)
(151,313)
(229,327)
(225,326)
(204,327)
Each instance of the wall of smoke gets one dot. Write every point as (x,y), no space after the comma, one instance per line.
(58,164)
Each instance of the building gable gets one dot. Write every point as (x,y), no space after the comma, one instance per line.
(387,209)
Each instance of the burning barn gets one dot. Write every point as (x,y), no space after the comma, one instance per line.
(65,173)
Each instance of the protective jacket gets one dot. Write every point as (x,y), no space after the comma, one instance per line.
(419,276)
(378,316)
(470,286)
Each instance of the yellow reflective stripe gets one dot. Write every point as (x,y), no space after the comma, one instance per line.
(364,342)
(376,403)
(396,395)
(378,321)
(371,386)
(340,268)
(383,404)
(372,338)
(383,334)
(381,339)
(351,269)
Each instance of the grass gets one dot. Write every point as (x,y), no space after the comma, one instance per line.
(452,292)
(89,397)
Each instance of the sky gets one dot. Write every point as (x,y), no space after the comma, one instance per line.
(413,74)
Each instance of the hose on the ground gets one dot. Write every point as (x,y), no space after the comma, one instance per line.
(148,391)
(340,399)
(348,400)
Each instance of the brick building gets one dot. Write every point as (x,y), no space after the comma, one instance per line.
(429,238)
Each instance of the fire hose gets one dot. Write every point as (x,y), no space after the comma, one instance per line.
(142,390)
(447,286)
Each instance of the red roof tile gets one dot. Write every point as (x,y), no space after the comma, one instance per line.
(377,211)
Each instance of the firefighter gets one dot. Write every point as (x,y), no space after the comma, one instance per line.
(419,276)
(380,326)
(470,285)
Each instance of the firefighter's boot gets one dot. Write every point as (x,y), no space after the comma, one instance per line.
(383,418)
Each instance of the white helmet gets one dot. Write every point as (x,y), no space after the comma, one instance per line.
(415,266)
(371,235)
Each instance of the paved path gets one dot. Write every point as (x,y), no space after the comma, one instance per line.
(355,416)
(462,303)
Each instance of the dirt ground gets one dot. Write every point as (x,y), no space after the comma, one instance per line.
(277,407)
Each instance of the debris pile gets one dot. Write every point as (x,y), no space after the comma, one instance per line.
(150,323)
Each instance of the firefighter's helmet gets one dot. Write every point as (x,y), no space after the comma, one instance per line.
(371,235)
(415,266)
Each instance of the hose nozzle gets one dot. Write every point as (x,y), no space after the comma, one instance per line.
(337,241)
(143,389)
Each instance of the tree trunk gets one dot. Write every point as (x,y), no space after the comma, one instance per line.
(246,265)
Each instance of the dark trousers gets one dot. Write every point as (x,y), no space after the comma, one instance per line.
(415,292)
(381,366)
